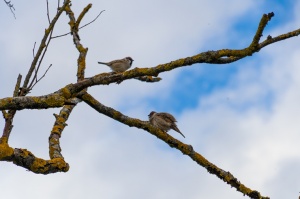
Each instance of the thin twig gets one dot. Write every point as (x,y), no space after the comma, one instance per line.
(37,80)
(74,24)
(93,20)
(58,2)
(34,78)
(11,7)
(80,27)
(40,61)
(48,16)
(42,45)
(33,49)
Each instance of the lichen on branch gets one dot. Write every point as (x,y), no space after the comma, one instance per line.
(68,97)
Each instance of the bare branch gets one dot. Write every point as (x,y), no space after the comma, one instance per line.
(43,49)
(43,44)
(80,17)
(37,80)
(33,49)
(81,26)
(26,159)
(67,98)
(92,20)
(17,87)
(11,113)
(48,16)
(60,122)
(223,56)
(11,7)
(172,142)
(58,3)
(36,69)
(76,39)
(30,102)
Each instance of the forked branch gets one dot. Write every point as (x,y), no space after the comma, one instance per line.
(223,56)
(71,94)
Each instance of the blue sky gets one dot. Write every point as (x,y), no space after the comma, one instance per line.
(192,84)
(243,117)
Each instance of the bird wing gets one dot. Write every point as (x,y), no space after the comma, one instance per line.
(167,116)
(117,61)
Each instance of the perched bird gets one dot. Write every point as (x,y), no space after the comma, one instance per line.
(163,121)
(119,65)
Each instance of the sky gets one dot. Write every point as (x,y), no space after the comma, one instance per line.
(243,117)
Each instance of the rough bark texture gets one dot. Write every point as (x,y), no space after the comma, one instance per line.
(68,96)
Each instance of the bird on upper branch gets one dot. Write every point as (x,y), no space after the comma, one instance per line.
(119,65)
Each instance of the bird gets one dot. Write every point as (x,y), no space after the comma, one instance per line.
(163,121)
(119,65)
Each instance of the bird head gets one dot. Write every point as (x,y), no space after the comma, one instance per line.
(151,114)
(129,59)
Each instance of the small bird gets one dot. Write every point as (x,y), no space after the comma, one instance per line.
(119,65)
(163,121)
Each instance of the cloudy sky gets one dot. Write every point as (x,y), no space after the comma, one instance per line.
(243,117)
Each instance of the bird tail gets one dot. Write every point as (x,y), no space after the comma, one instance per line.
(176,129)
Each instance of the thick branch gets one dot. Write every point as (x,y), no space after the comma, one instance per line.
(58,127)
(60,122)
(26,159)
(216,57)
(172,142)
(28,102)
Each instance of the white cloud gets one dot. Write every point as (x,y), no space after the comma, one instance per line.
(110,160)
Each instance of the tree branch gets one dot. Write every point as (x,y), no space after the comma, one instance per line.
(43,44)
(80,27)
(29,102)
(76,39)
(148,79)
(58,127)
(60,122)
(223,56)
(25,159)
(67,98)
(35,80)
(172,142)
(11,7)
(11,113)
